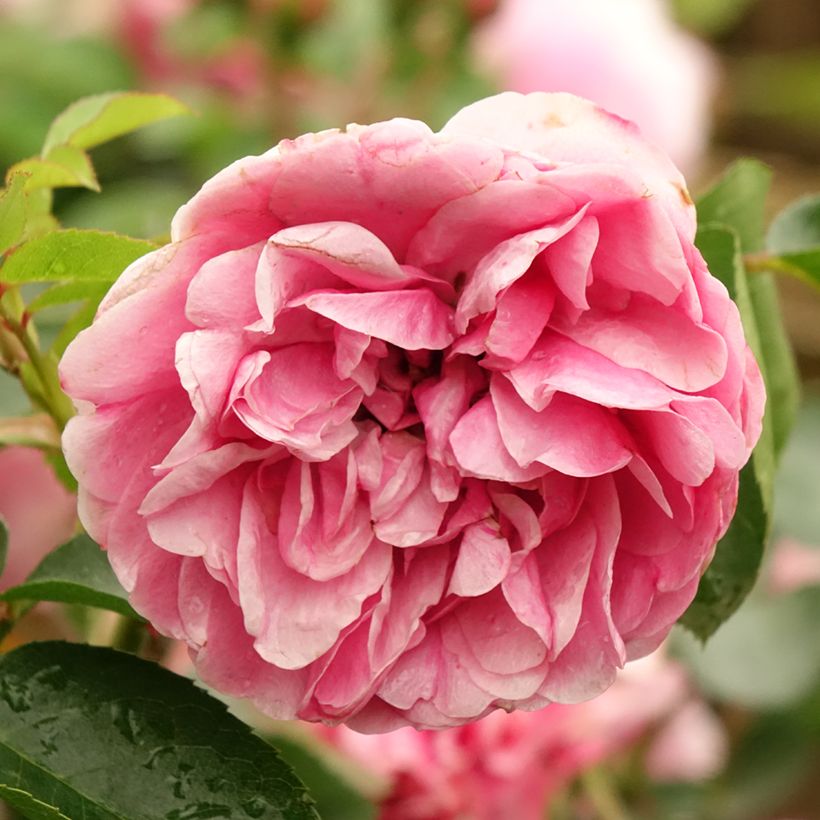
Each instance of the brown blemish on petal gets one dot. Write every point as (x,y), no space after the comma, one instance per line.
(684,194)
(553,120)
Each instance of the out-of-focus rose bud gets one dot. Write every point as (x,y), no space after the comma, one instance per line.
(692,745)
(793,566)
(39,512)
(626,55)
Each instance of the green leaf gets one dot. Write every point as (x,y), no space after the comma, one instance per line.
(797,511)
(710,18)
(103,735)
(335,798)
(73,255)
(720,248)
(780,368)
(30,806)
(738,200)
(4,545)
(68,292)
(65,167)
(766,657)
(794,237)
(12,212)
(733,571)
(796,228)
(79,320)
(98,119)
(78,572)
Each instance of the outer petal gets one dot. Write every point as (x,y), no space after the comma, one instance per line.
(564,128)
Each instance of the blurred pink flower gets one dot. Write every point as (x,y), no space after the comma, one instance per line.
(510,765)
(39,512)
(238,68)
(627,56)
(793,566)
(405,427)
(692,745)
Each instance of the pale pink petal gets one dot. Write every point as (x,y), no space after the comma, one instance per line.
(347,250)
(570,435)
(295,619)
(482,563)
(410,319)
(491,460)
(521,315)
(390,178)
(558,363)
(647,336)
(222,293)
(568,261)
(464,230)
(564,128)
(505,264)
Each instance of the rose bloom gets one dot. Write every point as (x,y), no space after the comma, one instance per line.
(628,56)
(38,511)
(403,426)
(510,765)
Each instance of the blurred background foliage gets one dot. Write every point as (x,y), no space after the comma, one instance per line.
(262,70)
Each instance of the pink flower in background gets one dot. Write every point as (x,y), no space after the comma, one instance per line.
(793,566)
(39,512)
(143,27)
(404,427)
(628,56)
(692,745)
(510,765)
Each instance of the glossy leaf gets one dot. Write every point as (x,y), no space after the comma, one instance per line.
(73,256)
(738,201)
(94,120)
(30,806)
(78,572)
(12,212)
(103,735)
(734,569)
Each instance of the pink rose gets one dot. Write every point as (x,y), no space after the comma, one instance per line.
(404,427)
(509,765)
(628,56)
(39,512)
